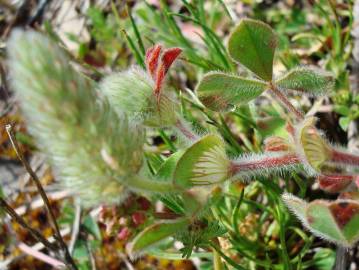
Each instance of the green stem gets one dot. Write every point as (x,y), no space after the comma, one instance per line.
(286,259)
(226,258)
(142,183)
(217,260)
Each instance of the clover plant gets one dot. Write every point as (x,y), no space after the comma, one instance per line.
(94,136)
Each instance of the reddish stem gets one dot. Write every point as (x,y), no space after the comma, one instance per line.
(265,163)
(344,158)
(185,131)
(286,103)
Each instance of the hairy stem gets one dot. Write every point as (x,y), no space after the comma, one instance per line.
(182,127)
(142,183)
(285,102)
(344,158)
(264,163)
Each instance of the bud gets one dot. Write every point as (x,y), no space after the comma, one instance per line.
(142,94)
(204,163)
(94,152)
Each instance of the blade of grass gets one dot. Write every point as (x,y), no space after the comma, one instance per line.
(135,51)
(137,33)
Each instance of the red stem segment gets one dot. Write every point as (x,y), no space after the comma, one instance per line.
(344,158)
(185,131)
(286,103)
(265,163)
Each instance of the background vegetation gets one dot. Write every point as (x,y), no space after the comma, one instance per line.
(107,36)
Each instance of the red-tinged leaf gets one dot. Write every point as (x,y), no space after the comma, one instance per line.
(343,212)
(334,183)
(152,56)
(337,221)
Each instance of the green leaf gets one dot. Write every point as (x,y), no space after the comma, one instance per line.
(344,123)
(220,92)
(324,259)
(342,109)
(336,221)
(272,125)
(167,168)
(308,80)
(154,234)
(92,227)
(252,43)
(204,163)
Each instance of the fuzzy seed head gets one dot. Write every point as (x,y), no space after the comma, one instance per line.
(93,151)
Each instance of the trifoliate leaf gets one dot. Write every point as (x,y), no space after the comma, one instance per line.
(336,221)
(153,234)
(308,80)
(252,43)
(220,92)
(204,163)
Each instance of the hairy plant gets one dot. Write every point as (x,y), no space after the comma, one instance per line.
(94,135)
(95,151)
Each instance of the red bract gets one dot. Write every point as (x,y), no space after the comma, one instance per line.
(158,64)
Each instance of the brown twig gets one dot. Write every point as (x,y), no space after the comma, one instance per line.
(66,254)
(34,233)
